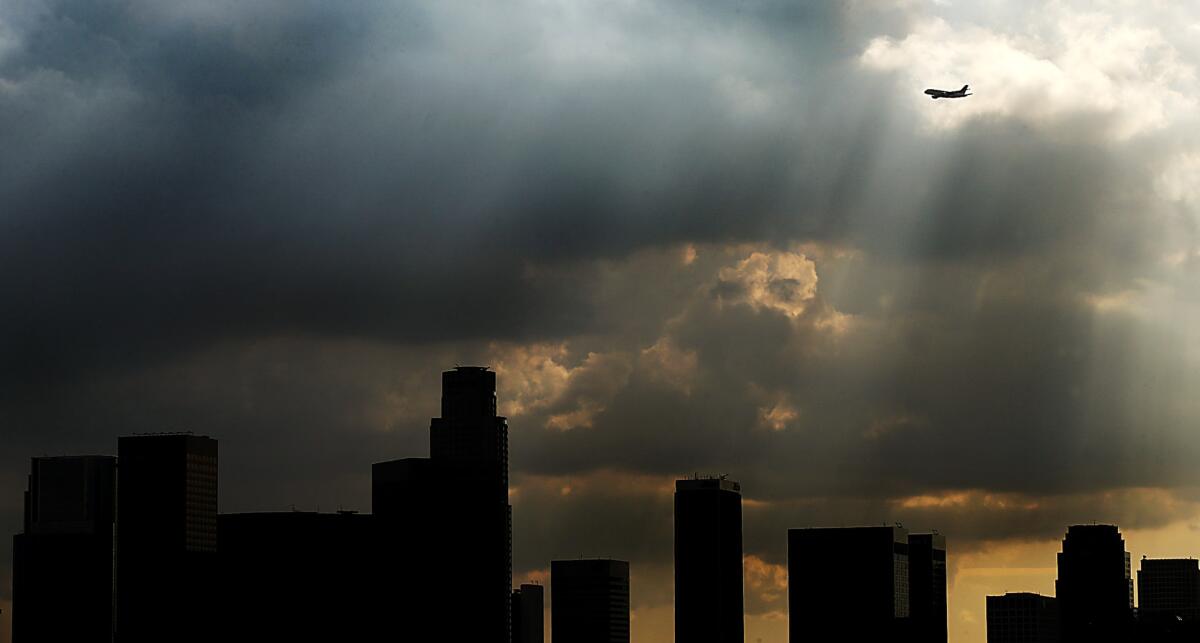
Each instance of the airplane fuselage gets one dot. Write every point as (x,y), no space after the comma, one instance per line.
(942,93)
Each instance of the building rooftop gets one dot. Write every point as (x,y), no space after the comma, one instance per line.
(899,534)
(697,484)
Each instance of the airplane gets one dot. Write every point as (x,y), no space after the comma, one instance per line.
(942,93)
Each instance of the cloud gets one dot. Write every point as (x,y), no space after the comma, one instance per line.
(784,281)
(666,363)
(188,176)
(1062,60)
(766,587)
(1178,180)
(533,378)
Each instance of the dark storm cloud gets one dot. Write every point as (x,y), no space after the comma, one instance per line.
(176,175)
(161,192)
(999,370)
(181,175)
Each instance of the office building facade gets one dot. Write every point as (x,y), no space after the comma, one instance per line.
(63,560)
(857,584)
(589,601)
(1169,589)
(927,588)
(166,537)
(708,561)
(528,614)
(1022,618)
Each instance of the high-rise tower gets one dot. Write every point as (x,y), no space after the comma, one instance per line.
(589,601)
(1094,586)
(446,518)
(63,562)
(1022,618)
(1169,593)
(708,561)
(528,605)
(166,537)
(469,448)
(927,587)
(848,584)
(469,441)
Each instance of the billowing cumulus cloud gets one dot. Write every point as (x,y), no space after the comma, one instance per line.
(1058,61)
(689,236)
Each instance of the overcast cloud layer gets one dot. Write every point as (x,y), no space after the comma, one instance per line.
(690,237)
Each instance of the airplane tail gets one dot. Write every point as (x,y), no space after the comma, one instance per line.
(964,89)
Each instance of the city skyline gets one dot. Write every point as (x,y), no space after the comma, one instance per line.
(128,544)
(689,237)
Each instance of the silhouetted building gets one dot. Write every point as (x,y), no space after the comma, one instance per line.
(1022,618)
(413,528)
(708,561)
(1169,586)
(446,518)
(528,607)
(927,587)
(1168,600)
(63,562)
(470,441)
(848,584)
(589,601)
(305,576)
(1094,586)
(404,490)
(166,537)
(469,447)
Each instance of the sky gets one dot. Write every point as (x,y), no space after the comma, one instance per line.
(701,236)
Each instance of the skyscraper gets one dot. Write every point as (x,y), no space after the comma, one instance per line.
(1022,618)
(528,605)
(63,562)
(708,561)
(589,601)
(848,583)
(1169,589)
(469,441)
(1094,586)
(412,536)
(166,537)
(927,587)
(446,518)
(469,448)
